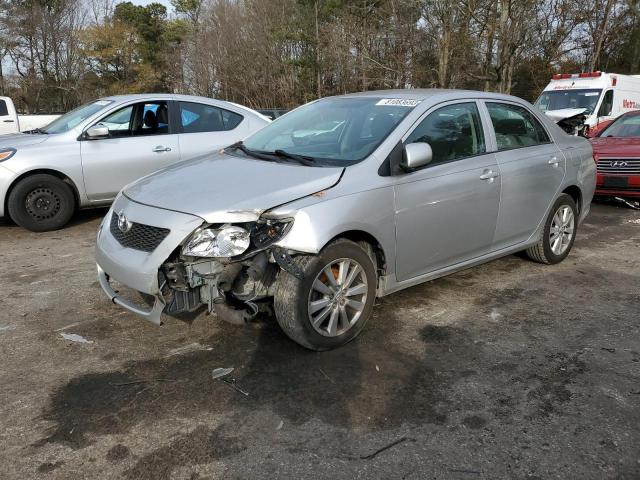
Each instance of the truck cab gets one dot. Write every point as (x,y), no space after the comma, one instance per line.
(8,117)
(581,102)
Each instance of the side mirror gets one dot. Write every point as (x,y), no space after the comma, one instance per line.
(96,132)
(416,155)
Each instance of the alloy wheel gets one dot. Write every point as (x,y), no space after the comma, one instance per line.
(338,297)
(561,230)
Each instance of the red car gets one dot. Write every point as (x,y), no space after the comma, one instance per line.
(616,150)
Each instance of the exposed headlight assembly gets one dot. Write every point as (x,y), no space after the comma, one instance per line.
(226,242)
(234,240)
(6,153)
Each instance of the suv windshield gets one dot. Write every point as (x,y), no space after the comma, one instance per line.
(333,131)
(70,119)
(561,99)
(625,126)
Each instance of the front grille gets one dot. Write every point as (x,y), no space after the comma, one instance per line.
(139,237)
(619,166)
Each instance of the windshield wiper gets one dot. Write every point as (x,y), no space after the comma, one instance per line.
(251,153)
(303,159)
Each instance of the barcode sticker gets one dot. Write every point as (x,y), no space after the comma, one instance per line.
(398,102)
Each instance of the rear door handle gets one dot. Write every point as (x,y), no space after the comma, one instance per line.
(489,175)
(160,148)
(553,161)
(8,121)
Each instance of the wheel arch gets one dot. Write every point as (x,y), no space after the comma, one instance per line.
(574,192)
(55,173)
(360,236)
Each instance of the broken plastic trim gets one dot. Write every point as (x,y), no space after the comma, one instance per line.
(153,315)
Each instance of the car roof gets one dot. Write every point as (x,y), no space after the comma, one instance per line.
(185,98)
(427,93)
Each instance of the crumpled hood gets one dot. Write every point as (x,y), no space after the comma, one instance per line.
(614,146)
(558,115)
(17,140)
(224,188)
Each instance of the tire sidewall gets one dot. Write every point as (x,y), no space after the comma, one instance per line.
(17,199)
(552,258)
(342,249)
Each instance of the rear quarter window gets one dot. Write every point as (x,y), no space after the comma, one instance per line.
(3,109)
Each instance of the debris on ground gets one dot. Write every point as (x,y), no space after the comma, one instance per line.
(629,203)
(610,350)
(386,447)
(220,373)
(72,337)
(326,376)
(4,328)
(192,347)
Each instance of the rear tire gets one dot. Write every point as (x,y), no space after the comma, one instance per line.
(559,233)
(41,203)
(346,300)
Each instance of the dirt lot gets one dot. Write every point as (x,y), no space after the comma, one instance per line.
(508,370)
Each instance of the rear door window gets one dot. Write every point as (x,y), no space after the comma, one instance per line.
(515,126)
(198,118)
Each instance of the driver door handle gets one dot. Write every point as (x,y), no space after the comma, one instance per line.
(160,148)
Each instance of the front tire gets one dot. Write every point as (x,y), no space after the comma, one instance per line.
(41,203)
(559,233)
(332,303)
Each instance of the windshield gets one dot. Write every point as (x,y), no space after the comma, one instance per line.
(70,119)
(561,99)
(333,131)
(625,126)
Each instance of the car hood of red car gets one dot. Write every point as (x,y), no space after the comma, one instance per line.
(617,146)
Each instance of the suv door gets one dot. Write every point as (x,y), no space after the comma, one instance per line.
(532,170)
(446,212)
(141,141)
(206,128)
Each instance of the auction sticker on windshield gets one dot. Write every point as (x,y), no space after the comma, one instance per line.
(398,102)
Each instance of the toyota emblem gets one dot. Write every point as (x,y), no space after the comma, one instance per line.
(619,164)
(123,224)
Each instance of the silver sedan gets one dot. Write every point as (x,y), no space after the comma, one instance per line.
(344,200)
(83,158)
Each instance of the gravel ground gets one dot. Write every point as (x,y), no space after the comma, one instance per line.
(507,370)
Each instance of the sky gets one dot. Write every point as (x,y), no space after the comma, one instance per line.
(166,3)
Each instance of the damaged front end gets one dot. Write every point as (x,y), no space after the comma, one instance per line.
(571,120)
(229,269)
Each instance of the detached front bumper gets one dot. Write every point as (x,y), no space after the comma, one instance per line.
(153,314)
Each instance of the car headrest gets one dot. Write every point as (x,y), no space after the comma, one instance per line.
(162,114)
(150,119)
(511,126)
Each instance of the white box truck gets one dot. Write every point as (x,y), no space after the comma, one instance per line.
(580,102)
